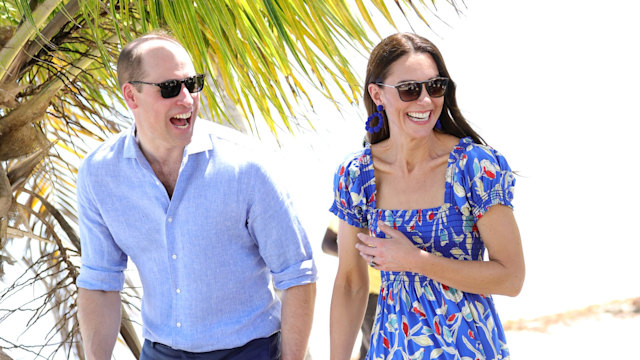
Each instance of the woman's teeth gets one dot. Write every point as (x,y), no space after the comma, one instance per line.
(420,116)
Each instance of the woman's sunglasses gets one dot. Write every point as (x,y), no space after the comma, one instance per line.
(411,90)
(171,88)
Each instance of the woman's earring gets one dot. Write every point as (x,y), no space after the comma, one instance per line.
(438,125)
(376,114)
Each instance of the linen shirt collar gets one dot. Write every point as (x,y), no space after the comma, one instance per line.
(200,141)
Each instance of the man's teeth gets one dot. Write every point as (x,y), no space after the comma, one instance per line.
(419,115)
(183,116)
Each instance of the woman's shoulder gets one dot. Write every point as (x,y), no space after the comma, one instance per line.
(481,178)
(468,152)
(356,162)
(353,187)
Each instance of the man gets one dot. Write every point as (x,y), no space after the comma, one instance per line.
(204,223)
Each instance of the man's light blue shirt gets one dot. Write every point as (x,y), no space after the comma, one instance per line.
(205,256)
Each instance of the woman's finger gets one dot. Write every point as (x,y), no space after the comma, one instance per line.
(366,250)
(368,240)
(388,229)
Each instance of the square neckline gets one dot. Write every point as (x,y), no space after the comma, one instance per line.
(447,184)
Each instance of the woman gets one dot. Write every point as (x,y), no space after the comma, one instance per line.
(433,196)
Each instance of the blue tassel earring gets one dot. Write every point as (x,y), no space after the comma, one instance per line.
(376,114)
(438,125)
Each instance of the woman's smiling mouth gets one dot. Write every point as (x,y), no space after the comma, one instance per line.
(419,116)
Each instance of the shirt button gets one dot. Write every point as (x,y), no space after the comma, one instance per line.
(170,219)
(178,291)
(178,325)
(174,256)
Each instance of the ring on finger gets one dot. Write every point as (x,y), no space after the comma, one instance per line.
(372,263)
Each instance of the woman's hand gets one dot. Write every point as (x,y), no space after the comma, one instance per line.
(395,253)
(502,274)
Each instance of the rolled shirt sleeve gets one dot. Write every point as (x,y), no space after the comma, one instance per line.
(103,262)
(282,241)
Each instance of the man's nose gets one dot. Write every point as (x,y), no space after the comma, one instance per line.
(184,96)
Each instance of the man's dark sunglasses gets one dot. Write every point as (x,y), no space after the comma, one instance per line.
(411,90)
(171,88)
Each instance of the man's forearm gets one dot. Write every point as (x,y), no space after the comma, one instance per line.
(99,315)
(297,317)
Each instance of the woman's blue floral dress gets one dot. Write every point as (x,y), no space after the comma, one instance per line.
(417,317)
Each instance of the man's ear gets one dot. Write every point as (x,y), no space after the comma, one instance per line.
(130,95)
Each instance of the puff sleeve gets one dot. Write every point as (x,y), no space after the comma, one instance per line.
(482,179)
(350,199)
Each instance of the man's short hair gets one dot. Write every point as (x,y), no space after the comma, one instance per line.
(129,67)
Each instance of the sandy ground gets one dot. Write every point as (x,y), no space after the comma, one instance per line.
(607,331)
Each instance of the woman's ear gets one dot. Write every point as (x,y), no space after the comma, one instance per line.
(130,95)
(375,92)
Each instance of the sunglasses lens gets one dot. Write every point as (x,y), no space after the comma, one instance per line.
(169,89)
(437,87)
(195,83)
(409,91)
(199,83)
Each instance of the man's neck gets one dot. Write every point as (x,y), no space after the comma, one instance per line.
(165,163)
